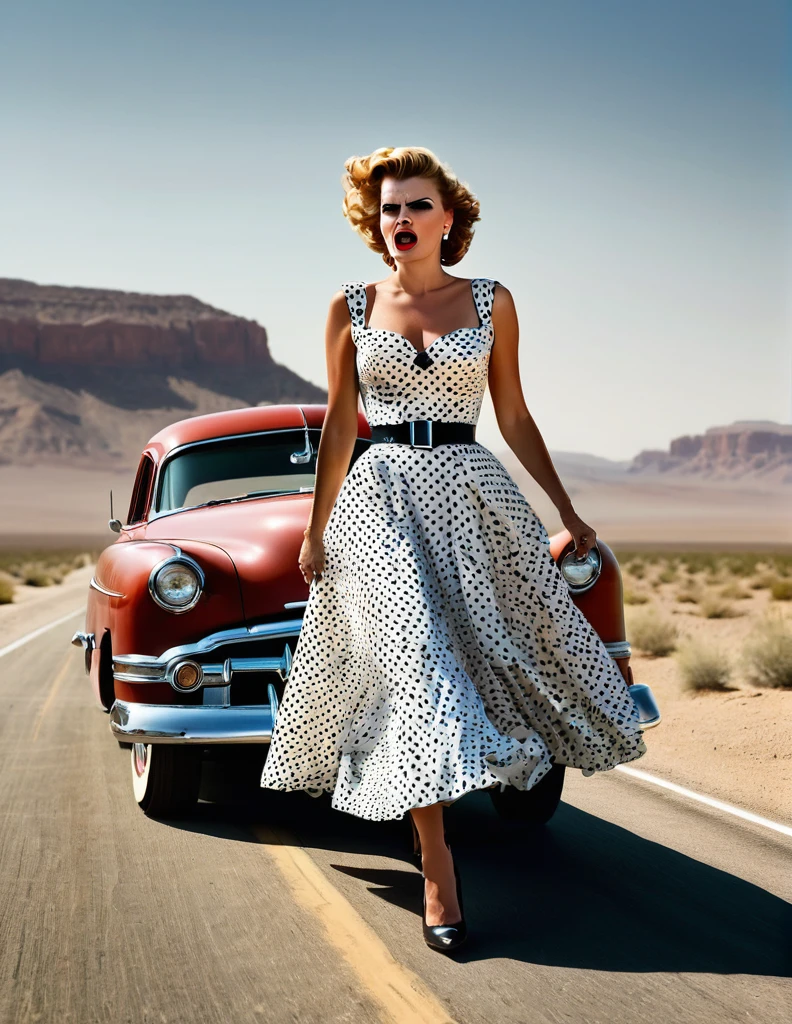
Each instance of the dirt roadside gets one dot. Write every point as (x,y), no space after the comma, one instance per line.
(34,607)
(734,745)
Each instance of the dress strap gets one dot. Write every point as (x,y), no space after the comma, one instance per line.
(484,294)
(355,292)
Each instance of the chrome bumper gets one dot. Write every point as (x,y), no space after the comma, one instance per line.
(145,668)
(643,698)
(197,723)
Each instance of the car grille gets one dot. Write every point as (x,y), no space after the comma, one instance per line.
(221,657)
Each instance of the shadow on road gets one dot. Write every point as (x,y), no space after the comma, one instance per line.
(579,892)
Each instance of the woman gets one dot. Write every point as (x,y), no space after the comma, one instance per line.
(440,651)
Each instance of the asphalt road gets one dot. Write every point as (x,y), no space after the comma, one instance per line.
(632,905)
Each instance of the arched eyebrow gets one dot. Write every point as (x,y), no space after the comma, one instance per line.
(412,201)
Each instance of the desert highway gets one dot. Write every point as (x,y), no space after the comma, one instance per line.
(632,906)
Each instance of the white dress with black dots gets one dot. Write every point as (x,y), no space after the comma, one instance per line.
(440,651)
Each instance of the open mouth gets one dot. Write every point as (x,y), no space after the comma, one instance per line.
(405,240)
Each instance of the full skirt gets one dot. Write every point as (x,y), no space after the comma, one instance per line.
(440,650)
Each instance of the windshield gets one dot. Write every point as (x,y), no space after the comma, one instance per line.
(232,467)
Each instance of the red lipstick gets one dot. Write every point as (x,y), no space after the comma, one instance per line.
(405,239)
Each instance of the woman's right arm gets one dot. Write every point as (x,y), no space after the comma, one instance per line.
(339,431)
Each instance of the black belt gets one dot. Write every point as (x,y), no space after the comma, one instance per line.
(424,433)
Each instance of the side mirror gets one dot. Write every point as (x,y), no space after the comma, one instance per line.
(115,524)
(301,458)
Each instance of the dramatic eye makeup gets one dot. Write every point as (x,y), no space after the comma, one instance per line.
(417,204)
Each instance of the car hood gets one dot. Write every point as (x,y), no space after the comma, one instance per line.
(262,536)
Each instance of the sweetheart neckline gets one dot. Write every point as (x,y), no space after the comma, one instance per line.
(383,330)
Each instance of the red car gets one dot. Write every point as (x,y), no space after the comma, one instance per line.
(195,610)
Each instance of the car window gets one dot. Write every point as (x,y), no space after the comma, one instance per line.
(137,505)
(228,467)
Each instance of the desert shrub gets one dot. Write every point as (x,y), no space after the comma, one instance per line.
(6,588)
(702,667)
(36,576)
(724,564)
(637,568)
(18,561)
(714,607)
(658,575)
(781,590)
(782,564)
(735,591)
(650,633)
(763,581)
(668,575)
(767,656)
(689,593)
(699,561)
(739,564)
(635,596)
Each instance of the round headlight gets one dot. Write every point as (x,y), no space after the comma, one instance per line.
(581,573)
(176,586)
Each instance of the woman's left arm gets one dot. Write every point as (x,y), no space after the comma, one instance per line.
(516,424)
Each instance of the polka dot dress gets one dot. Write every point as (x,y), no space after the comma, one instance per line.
(440,651)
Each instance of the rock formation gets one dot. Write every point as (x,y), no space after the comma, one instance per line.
(96,327)
(749,448)
(87,375)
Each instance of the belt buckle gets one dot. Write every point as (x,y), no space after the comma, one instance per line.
(428,423)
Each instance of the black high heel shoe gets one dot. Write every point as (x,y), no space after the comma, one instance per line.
(445,937)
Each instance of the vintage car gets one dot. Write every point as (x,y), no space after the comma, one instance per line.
(195,610)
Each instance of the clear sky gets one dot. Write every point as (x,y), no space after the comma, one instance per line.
(631,161)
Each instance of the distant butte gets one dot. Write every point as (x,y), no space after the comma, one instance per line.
(87,375)
(749,448)
(51,324)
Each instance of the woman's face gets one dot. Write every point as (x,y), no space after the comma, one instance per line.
(412,218)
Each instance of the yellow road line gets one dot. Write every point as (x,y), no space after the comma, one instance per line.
(53,690)
(400,994)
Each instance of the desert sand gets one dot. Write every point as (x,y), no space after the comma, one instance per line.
(734,745)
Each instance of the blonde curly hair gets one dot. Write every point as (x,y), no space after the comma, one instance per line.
(362,183)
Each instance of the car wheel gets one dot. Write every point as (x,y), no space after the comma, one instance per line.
(165,778)
(535,805)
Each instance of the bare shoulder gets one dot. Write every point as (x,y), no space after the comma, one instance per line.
(502,300)
(338,318)
(338,301)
